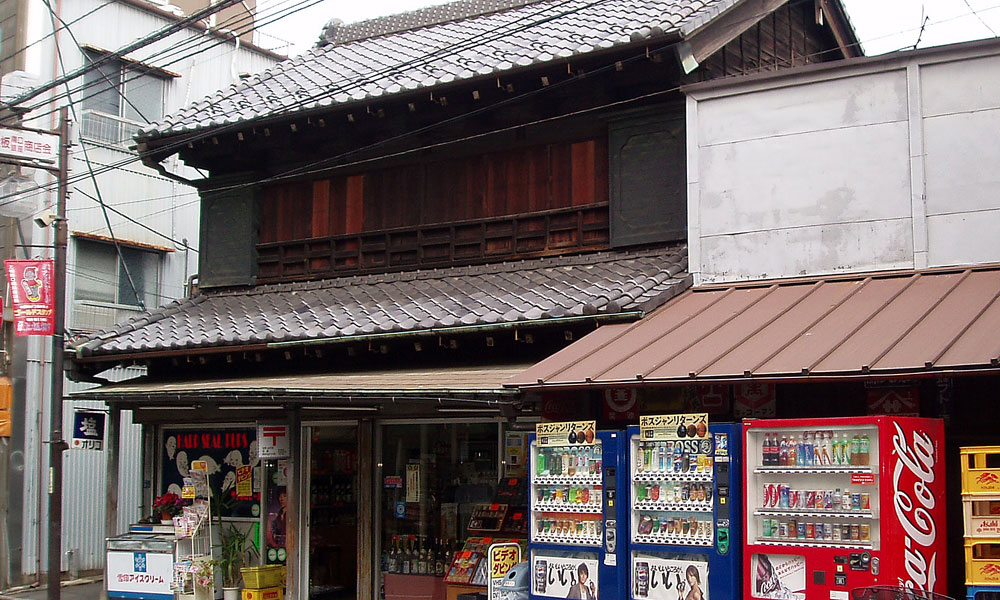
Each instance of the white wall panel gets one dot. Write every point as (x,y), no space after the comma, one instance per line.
(803,180)
(960,86)
(964,238)
(961,158)
(821,249)
(845,102)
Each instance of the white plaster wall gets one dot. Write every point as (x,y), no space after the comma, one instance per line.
(872,166)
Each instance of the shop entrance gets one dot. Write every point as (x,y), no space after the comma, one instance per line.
(333,512)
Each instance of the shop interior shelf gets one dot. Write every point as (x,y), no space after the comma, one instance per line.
(557,507)
(567,480)
(548,538)
(815,470)
(690,476)
(813,543)
(675,506)
(676,540)
(784,512)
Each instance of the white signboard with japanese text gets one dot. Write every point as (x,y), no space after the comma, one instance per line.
(140,575)
(272,441)
(29,145)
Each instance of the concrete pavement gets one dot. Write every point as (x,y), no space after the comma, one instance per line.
(78,589)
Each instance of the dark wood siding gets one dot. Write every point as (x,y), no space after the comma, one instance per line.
(228,256)
(539,200)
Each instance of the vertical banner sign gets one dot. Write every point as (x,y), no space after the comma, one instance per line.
(244,482)
(88,430)
(272,441)
(500,558)
(413,483)
(32,296)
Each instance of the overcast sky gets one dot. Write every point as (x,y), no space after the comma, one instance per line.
(882,25)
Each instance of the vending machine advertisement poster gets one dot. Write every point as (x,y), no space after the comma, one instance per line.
(564,577)
(778,576)
(660,578)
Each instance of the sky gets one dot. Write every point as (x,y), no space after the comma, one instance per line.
(882,25)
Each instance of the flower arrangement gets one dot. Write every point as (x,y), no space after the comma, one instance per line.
(169,504)
(204,573)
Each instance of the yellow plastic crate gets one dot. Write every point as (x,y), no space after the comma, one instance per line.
(272,593)
(981,470)
(982,515)
(982,561)
(259,578)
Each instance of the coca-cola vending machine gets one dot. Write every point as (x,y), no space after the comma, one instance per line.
(841,503)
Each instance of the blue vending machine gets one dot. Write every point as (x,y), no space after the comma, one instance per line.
(684,500)
(578,505)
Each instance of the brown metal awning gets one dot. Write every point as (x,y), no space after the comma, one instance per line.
(882,325)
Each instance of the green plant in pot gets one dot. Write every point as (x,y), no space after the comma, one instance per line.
(233,548)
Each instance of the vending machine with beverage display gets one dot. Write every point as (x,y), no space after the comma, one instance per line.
(684,505)
(574,546)
(841,503)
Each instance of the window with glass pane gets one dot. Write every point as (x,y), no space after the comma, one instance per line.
(434,475)
(118,96)
(100,274)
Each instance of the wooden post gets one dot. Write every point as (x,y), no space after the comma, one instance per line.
(111,482)
(366,501)
(296,474)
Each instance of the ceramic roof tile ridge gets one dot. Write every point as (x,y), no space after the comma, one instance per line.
(582,27)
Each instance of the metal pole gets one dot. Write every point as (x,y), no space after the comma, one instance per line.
(56,442)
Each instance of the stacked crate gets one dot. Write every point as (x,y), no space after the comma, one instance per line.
(263,583)
(981,508)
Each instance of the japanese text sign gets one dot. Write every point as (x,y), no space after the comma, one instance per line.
(88,430)
(272,441)
(673,427)
(569,432)
(501,558)
(32,296)
(30,145)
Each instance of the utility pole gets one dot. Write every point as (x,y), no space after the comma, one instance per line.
(57,445)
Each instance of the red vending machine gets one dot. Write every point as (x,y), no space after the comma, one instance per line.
(837,504)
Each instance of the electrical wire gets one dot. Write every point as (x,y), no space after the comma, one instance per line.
(981,20)
(86,157)
(120,53)
(104,206)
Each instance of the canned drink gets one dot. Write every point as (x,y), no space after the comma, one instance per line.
(800,532)
(855,533)
(866,501)
(784,496)
(836,533)
(827,531)
(856,501)
(685,492)
(655,492)
(866,533)
(845,533)
(828,499)
(774,493)
(810,531)
(767,495)
(768,532)
(811,499)
(783,530)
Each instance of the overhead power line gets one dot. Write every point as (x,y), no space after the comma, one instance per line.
(120,53)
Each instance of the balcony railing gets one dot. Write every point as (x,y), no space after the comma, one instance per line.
(545,233)
(107,129)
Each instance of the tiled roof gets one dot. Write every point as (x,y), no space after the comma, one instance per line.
(517,292)
(425,56)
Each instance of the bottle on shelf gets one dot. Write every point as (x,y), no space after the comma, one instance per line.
(783,452)
(793,450)
(865,445)
(540,464)
(855,449)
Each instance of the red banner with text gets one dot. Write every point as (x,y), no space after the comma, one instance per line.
(32,296)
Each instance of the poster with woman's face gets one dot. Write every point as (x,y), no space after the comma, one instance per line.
(778,576)
(564,577)
(223,451)
(659,578)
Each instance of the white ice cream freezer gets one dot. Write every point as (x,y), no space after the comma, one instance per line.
(140,566)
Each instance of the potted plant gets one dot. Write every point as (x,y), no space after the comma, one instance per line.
(204,579)
(232,550)
(168,506)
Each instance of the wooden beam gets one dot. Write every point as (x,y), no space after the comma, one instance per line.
(707,41)
(837,21)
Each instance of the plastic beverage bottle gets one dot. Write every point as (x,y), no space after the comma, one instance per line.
(660,450)
(827,448)
(571,467)
(783,452)
(807,449)
(793,450)
(855,450)
(540,464)
(865,446)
